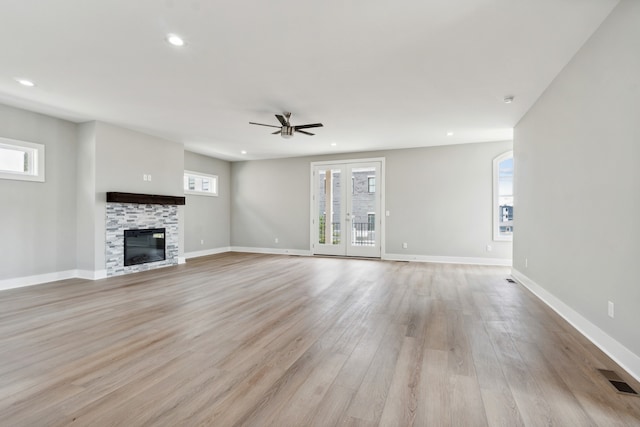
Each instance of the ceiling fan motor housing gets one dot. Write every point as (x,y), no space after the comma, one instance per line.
(287,131)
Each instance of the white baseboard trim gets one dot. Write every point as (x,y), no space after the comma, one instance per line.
(387,257)
(272,251)
(624,357)
(91,275)
(448,259)
(206,252)
(20,282)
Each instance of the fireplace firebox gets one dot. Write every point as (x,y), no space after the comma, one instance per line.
(144,246)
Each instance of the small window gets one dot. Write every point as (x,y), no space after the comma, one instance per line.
(200,184)
(21,160)
(371,183)
(503,197)
(371,221)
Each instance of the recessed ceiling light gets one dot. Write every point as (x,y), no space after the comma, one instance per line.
(175,40)
(508,99)
(25,82)
(243,152)
(449,133)
(333,144)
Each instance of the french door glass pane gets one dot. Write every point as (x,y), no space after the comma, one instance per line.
(329,207)
(363,206)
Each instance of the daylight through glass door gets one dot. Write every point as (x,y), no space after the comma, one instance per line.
(329,218)
(347,204)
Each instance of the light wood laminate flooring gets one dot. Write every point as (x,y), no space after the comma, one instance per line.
(261,340)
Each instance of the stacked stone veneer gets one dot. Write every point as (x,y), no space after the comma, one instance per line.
(129,216)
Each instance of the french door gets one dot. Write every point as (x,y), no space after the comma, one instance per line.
(347,201)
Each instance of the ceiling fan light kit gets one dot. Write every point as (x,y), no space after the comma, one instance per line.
(286,130)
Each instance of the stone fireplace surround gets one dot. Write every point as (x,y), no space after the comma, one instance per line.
(127,211)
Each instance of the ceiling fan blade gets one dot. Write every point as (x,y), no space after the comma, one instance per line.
(306,133)
(262,124)
(276,132)
(282,120)
(313,125)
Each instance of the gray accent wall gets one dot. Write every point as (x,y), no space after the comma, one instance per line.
(59,225)
(577,182)
(86,198)
(123,156)
(439,199)
(38,219)
(270,199)
(208,218)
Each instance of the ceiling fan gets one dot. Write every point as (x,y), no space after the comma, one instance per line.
(286,130)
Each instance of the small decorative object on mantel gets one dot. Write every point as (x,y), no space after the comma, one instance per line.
(144,199)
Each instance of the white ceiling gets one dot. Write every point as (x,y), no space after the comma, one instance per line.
(378,74)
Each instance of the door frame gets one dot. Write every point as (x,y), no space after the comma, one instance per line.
(381,186)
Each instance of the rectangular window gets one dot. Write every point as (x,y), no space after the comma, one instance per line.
(21,160)
(13,160)
(371,183)
(200,184)
(503,197)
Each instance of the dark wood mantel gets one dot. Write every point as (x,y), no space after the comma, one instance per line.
(144,199)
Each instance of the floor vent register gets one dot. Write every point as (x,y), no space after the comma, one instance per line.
(618,383)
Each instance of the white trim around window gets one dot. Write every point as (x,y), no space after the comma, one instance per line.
(200,184)
(21,160)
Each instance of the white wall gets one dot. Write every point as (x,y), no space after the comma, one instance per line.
(440,200)
(208,218)
(577,187)
(38,219)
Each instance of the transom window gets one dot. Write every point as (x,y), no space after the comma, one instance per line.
(503,197)
(201,184)
(21,160)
